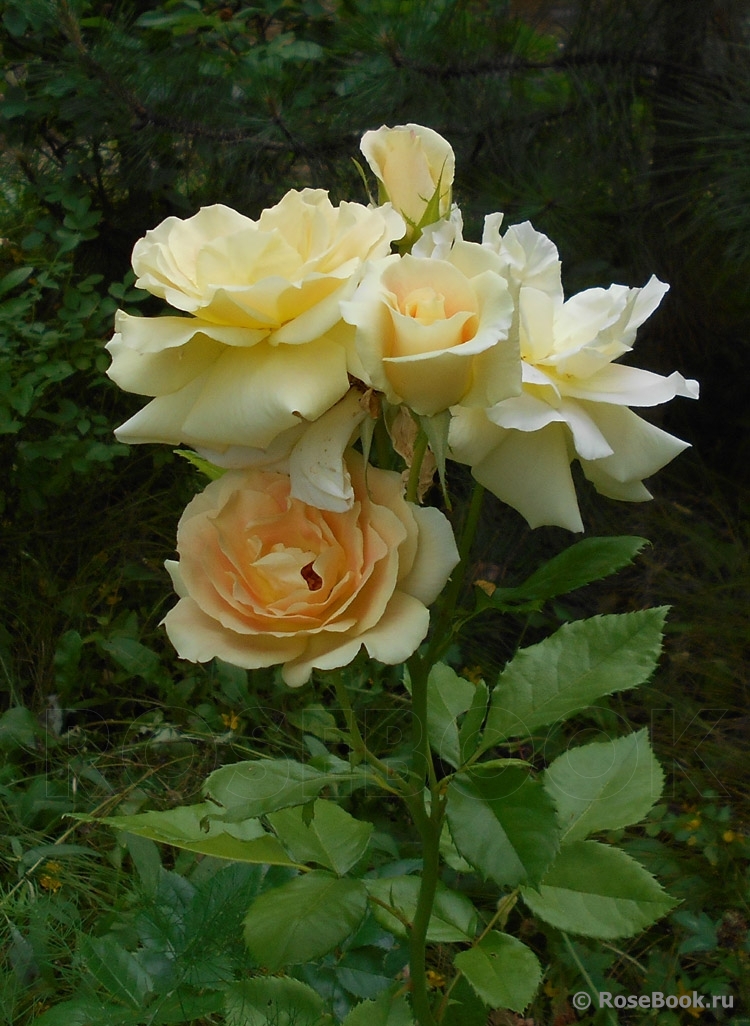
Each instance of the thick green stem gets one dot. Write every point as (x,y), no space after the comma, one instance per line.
(429,826)
(430,835)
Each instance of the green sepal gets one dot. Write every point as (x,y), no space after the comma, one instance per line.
(363,176)
(436,428)
(211,471)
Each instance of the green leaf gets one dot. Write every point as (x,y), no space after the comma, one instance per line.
(702,929)
(454,918)
(197,828)
(245,790)
(448,696)
(19,728)
(464,1007)
(116,969)
(385,1010)
(301,50)
(132,656)
(469,734)
(331,837)
(14,278)
(315,719)
(274,999)
(84,1010)
(361,970)
(604,786)
(503,822)
(303,919)
(14,21)
(565,673)
(502,971)
(586,561)
(182,1006)
(598,891)
(450,853)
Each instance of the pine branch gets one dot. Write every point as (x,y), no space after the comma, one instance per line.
(509,65)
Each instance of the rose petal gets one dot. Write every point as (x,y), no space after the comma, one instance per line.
(435,558)
(263,392)
(630,386)
(399,631)
(316,464)
(199,638)
(531,473)
(639,448)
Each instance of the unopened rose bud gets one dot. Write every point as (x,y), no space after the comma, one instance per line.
(415,168)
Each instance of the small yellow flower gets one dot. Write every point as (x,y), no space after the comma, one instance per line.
(434,980)
(691,841)
(693,824)
(230,720)
(49,880)
(692,1010)
(728,836)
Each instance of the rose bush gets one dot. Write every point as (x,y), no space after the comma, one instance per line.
(415,167)
(265,579)
(263,342)
(575,401)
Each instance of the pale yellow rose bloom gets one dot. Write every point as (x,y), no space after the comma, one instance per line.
(263,344)
(265,579)
(575,400)
(432,326)
(411,163)
(312,454)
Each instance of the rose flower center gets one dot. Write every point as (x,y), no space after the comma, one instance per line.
(424,305)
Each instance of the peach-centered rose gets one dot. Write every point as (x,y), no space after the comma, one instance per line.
(265,579)
(260,343)
(432,332)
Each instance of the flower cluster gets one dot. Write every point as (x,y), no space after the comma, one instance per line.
(293,332)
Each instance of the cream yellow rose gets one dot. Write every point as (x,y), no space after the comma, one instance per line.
(432,326)
(575,399)
(265,579)
(415,167)
(263,344)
